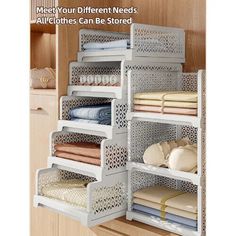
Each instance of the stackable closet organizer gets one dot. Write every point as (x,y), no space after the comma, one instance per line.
(146,65)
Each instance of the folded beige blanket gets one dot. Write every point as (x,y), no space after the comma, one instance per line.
(167,110)
(75,157)
(165,103)
(169,96)
(169,197)
(168,209)
(82,148)
(72,191)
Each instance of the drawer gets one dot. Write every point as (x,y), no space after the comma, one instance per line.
(43,104)
(100,202)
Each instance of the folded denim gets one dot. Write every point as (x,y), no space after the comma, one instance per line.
(95,112)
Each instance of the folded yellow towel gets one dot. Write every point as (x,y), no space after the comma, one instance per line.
(172,210)
(169,197)
(168,96)
(165,103)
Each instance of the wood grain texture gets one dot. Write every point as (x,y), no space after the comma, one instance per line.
(42,122)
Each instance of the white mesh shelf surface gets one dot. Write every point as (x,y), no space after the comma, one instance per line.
(114,154)
(148,42)
(105,200)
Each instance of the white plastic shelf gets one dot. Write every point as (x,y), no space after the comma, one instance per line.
(180,175)
(147,42)
(105,200)
(157,222)
(114,154)
(165,118)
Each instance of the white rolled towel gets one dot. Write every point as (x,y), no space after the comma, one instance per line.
(105,79)
(90,79)
(97,79)
(83,79)
(114,79)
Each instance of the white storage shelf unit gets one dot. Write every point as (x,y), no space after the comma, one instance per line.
(142,134)
(118,117)
(114,154)
(78,69)
(105,200)
(165,81)
(138,180)
(147,42)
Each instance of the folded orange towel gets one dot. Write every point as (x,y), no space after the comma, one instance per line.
(82,148)
(80,158)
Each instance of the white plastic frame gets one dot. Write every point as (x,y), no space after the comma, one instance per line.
(114,154)
(98,210)
(146,42)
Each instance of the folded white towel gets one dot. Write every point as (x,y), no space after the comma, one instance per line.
(124,43)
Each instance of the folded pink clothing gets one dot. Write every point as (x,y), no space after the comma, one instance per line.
(168,110)
(80,148)
(80,158)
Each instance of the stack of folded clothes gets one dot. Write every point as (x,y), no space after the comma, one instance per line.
(112,45)
(72,191)
(169,102)
(83,152)
(167,204)
(95,114)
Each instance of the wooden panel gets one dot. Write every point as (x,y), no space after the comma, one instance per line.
(43,52)
(42,122)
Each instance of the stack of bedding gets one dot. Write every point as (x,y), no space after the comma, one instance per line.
(71,191)
(167,204)
(95,114)
(169,102)
(83,152)
(112,45)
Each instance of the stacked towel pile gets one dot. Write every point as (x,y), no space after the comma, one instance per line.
(83,152)
(169,102)
(99,80)
(112,45)
(72,191)
(167,204)
(95,114)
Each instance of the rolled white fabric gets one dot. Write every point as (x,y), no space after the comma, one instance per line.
(90,79)
(114,79)
(183,158)
(105,79)
(97,79)
(83,79)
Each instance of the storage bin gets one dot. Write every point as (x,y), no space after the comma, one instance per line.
(118,118)
(120,69)
(105,200)
(139,180)
(149,42)
(144,81)
(142,134)
(114,154)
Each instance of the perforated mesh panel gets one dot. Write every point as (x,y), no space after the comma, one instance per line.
(107,198)
(154,40)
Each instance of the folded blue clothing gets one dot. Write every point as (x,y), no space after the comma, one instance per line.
(101,122)
(124,43)
(168,216)
(95,112)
